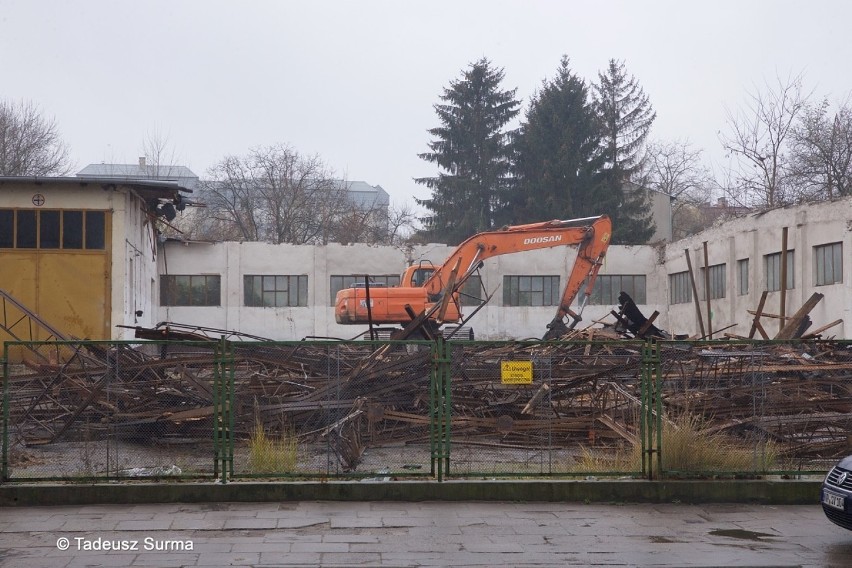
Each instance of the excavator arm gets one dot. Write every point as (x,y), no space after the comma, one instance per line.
(591,233)
(589,261)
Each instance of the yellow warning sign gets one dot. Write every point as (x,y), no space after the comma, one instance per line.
(516,372)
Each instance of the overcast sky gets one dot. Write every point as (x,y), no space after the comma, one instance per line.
(354,81)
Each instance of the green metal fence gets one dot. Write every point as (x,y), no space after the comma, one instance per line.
(389,410)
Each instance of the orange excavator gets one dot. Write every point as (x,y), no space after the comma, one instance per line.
(429,295)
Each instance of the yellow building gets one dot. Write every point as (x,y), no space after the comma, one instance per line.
(81,253)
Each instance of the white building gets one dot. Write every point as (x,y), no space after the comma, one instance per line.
(744,256)
(744,259)
(308,277)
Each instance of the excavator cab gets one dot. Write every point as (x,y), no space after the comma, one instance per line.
(417,275)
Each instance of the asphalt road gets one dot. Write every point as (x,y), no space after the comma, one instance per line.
(421,534)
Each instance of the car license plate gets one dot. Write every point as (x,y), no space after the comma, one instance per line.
(833,500)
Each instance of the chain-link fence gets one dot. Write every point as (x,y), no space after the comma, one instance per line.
(220,410)
(331,409)
(537,408)
(216,409)
(754,407)
(80,410)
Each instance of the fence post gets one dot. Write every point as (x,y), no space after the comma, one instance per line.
(446,363)
(433,425)
(657,372)
(440,409)
(229,385)
(4,474)
(217,397)
(650,424)
(223,418)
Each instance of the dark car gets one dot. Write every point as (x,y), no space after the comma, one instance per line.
(836,494)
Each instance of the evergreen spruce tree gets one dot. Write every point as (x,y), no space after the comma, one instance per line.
(472,148)
(557,162)
(625,117)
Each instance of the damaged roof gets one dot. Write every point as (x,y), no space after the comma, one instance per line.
(147,189)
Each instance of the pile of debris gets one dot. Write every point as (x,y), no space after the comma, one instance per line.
(356,395)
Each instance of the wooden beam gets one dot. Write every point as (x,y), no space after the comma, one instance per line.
(707,292)
(755,324)
(819,330)
(789,330)
(540,393)
(648,323)
(694,293)
(765,314)
(783,278)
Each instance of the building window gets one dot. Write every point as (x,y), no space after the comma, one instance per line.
(339,283)
(48,226)
(828,264)
(273,291)
(608,287)
(52,229)
(72,229)
(7,228)
(95,229)
(190,290)
(680,291)
(772,270)
(531,291)
(26,233)
(742,276)
(471,293)
(717,282)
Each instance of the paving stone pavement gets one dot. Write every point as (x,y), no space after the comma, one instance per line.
(267,535)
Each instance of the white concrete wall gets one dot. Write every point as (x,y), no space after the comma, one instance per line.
(753,237)
(134,266)
(661,212)
(234,260)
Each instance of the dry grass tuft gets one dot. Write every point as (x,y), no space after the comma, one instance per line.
(688,446)
(272,455)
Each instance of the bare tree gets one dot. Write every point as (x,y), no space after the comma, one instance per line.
(276,195)
(402,223)
(29,142)
(757,138)
(675,168)
(822,152)
(159,153)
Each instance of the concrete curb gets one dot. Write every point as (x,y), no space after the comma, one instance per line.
(629,491)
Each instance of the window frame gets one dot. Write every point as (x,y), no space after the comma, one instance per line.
(772,271)
(605,292)
(520,290)
(291,287)
(680,288)
(718,282)
(171,294)
(834,264)
(743,267)
(92,232)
